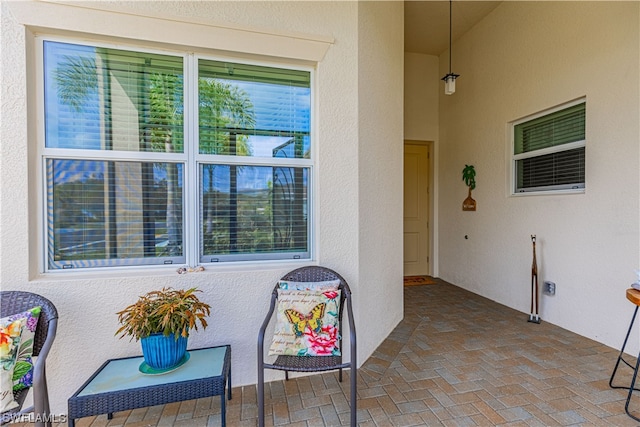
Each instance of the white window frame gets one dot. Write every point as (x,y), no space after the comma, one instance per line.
(514,158)
(190,158)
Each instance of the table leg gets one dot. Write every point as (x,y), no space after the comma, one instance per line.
(223,406)
(223,410)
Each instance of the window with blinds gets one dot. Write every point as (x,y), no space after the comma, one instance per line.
(172,159)
(549,150)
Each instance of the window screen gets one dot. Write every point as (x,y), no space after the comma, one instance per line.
(133,141)
(549,151)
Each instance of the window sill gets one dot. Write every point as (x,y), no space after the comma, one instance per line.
(164,271)
(549,193)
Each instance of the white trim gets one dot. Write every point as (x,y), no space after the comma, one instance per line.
(190,159)
(550,150)
(125,156)
(546,112)
(97,19)
(252,161)
(162,270)
(191,195)
(513,158)
(550,192)
(40,161)
(314,210)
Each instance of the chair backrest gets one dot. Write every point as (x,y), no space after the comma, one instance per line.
(13,302)
(315,273)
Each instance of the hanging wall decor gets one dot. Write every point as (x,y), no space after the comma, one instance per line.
(469,178)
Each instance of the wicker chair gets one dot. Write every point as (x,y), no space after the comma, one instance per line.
(311,363)
(14,302)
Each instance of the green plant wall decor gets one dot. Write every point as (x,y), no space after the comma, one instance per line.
(469,178)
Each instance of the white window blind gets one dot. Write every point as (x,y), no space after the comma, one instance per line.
(118,134)
(258,206)
(549,151)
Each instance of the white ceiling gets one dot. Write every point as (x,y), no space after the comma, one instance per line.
(426,23)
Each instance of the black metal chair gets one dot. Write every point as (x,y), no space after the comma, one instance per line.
(311,363)
(14,302)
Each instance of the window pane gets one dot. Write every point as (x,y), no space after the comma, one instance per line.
(561,127)
(252,210)
(249,110)
(108,99)
(104,213)
(108,204)
(565,169)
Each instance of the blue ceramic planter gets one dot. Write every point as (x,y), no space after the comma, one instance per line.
(163,352)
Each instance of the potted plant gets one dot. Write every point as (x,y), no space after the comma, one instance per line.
(162,321)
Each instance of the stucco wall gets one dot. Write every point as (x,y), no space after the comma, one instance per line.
(238,294)
(523,58)
(422,86)
(380,154)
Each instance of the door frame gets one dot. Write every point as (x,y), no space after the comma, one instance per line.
(431,212)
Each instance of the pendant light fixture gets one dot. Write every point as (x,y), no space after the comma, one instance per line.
(450,78)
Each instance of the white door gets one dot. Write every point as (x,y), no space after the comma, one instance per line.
(416,209)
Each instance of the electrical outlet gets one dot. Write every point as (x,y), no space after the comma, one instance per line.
(549,288)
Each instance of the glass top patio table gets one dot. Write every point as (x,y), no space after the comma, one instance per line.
(120,385)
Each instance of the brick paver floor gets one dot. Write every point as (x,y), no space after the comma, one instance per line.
(456,359)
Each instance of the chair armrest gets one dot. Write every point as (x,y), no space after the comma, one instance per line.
(352,329)
(38,367)
(40,400)
(265,323)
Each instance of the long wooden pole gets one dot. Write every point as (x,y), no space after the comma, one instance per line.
(534,284)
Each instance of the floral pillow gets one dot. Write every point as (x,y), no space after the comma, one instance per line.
(328,285)
(306,323)
(10,334)
(23,371)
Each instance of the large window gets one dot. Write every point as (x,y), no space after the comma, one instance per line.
(549,150)
(154,158)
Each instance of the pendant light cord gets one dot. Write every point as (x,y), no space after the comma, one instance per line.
(450,79)
(450,26)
